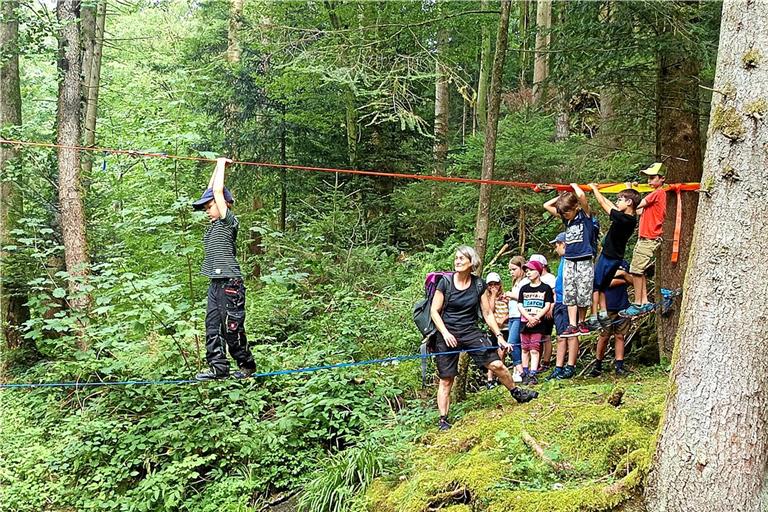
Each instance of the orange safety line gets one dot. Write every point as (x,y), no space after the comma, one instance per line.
(536,187)
(678,225)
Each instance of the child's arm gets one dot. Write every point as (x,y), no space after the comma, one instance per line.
(217,184)
(603,201)
(550,206)
(582,197)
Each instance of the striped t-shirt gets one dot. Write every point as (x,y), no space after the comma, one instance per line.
(219,243)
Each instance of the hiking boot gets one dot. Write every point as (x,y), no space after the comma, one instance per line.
(583,329)
(604,319)
(490,384)
(209,375)
(632,311)
(621,371)
(596,371)
(592,323)
(532,380)
(443,425)
(556,374)
(523,395)
(570,332)
(243,373)
(569,372)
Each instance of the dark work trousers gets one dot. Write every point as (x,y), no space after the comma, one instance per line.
(225,326)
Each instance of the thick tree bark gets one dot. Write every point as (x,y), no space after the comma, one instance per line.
(68,128)
(491,130)
(485,69)
(607,93)
(440,149)
(712,453)
(13,313)
(92,71)
(541,60)
(679,141)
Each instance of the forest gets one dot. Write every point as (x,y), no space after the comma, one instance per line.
(367,141)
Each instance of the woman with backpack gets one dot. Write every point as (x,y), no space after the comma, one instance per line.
(459,303)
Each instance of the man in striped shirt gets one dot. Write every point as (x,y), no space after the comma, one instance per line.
(225,314)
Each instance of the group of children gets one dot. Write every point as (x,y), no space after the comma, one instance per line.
(582,297)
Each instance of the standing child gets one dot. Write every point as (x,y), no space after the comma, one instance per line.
(565,345)
(500,305)
(225,313)
(534,301)
(623,222)
(547,277)
(617,299)
(516,272)
(652,210)
(578,274)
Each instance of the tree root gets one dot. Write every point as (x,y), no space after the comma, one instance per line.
(539,451)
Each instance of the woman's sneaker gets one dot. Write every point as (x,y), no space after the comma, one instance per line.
(523,395)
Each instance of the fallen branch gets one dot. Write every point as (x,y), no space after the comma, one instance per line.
(498,255)
(539,451)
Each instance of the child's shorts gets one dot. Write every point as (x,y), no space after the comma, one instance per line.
(619,325)
(578,278)
(561,318)
(605,270)
(530,340)
(644,255)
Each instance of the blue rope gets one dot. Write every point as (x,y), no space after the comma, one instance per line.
(308,369)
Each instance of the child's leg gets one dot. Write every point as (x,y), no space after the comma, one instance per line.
(595,302)
(514,340)
(603,303)
(526,357)
(546,350)
(602,344)
(573,351)
(534,361)
(641,289)
(234,325)
(570,291)
(619,347)
(573,315)
(561,351)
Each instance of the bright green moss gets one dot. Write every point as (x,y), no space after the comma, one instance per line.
(608,448)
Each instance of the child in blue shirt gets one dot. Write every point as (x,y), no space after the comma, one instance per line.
(578,273)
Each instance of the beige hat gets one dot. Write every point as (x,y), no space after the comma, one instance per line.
(656,169)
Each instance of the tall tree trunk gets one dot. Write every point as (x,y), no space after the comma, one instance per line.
(607,113)
(13,313)
(563,119)
(283,172)
(489,161)
(234,50)
(541,62)
(92,69)
(440,149)
(485,68)
(677,137)
(68,134)
(524,25)
(491,129)
(712,453)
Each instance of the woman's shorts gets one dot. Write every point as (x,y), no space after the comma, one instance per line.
(448,365)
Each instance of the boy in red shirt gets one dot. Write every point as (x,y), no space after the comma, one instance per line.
(652,210)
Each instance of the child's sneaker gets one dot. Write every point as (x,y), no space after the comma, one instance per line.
(532,380)
(570,332)
(583,329)
(596,372)
(490,384)
(443,424)
(622,372)
(569,372)
(556,374)
(632,310)
(523,395)
(593,324)
(647,308)
(516,377)
(525,379)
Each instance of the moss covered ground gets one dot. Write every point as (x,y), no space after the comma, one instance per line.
(598,453)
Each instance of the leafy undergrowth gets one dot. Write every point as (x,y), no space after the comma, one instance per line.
(599,454)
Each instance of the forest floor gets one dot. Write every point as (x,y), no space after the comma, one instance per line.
(595,435)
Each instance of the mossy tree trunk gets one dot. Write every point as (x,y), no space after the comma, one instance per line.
(485,68)
(678,145)
(92,51)
(712,453)
(442,95)
(13,313)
